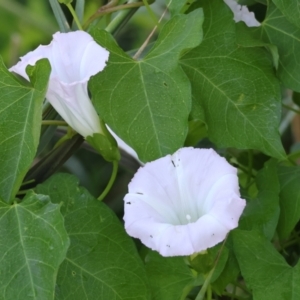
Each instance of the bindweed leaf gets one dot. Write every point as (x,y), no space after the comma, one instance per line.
(235,86)
(251,37)
(262,213)
(178,6)
(147,102)
(290,9)
(169,277)
(20,115)
(289,178)
(265,271)
(277,30)
(33,242)
(102,261)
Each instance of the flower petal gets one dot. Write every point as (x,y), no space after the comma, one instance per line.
(75,107)
(207,172)
(184,203)
(241,13)
(74,58)
(124,146)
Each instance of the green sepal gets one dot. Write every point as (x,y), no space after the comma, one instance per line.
(106,146)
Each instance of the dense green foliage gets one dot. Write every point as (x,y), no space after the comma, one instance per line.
(205,81)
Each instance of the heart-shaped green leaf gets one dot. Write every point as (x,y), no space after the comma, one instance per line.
(147,102)
(235,86)
(102,261)
(33,243)
(20,123)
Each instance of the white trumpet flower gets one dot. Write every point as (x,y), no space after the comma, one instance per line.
(242,13)
(74,57)
(183,203)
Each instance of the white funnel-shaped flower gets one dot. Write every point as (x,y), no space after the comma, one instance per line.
(242,13)
(74,58)
(183,203)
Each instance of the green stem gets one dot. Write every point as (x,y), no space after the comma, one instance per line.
(110,4)
(70,133)
(72,11)
(53,161)
(110,10)
(209,293)
(111,180)
(121,18)
(28,182)
(22,192)
(244,169)
(205,287)
(54,123)
(150,12)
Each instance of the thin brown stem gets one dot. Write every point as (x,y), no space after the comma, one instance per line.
(144,45)
(105,10)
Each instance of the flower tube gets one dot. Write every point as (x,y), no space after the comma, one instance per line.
(183,203)
(74,57)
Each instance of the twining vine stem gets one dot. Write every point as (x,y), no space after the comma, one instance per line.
(205,286)
(54,123)
(110,10)
(142,48)
(72,11)
(111,180)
